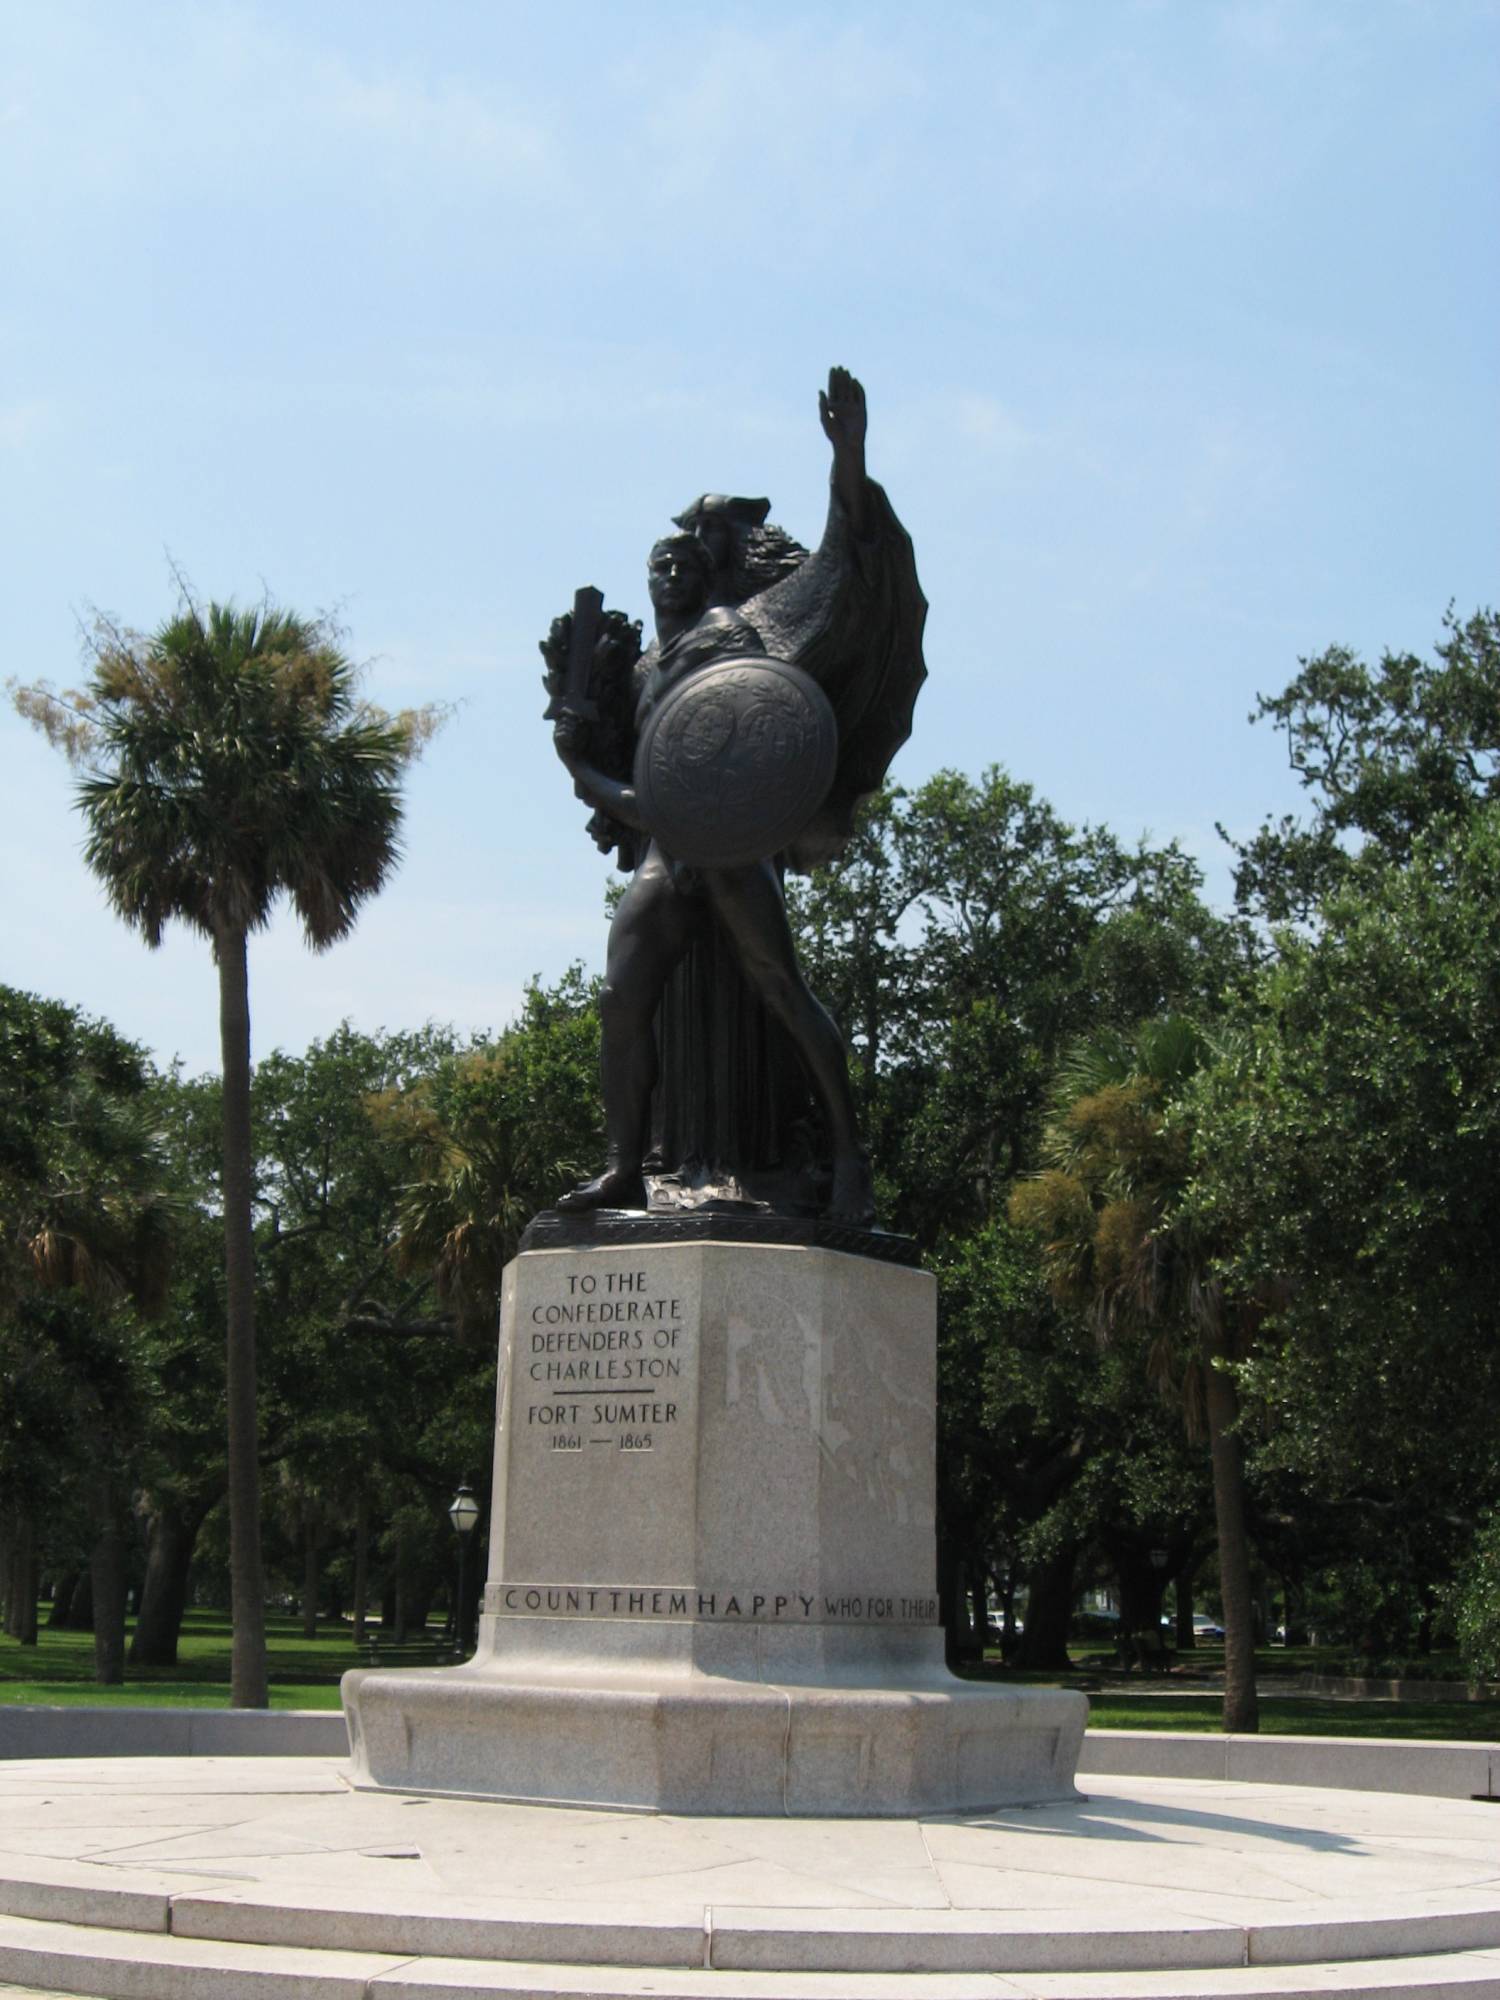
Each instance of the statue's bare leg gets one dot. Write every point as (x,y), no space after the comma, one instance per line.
(750,905)
(648,936)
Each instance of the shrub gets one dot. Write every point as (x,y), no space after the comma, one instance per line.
(1476,1604)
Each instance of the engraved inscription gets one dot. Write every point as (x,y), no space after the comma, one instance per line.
(601,1362)
(587,1600)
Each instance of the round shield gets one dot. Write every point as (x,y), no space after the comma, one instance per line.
(734,760)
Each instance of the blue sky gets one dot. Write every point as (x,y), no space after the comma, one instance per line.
(1177,320)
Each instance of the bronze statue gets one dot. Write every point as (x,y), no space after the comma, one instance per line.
(739,743)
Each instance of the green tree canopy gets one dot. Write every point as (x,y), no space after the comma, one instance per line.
(1384,753)
(1354,1156)
(966,937)
(87,1227)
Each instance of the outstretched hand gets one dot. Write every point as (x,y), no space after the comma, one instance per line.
(841,409)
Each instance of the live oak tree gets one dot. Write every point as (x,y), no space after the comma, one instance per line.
(1053,1450)
(362,1349)
(87,1227)
(226,760)
(967,936)
(375,1393)
(1383,752)
(331,1393)
(1354,1158)
(1013,1373)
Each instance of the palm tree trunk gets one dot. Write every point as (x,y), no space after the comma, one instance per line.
(1241,1707)
(247,1671)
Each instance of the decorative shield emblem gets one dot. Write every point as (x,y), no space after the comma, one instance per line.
(734,761)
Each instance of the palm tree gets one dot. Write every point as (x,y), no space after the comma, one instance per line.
(1119,1240)
(228,759)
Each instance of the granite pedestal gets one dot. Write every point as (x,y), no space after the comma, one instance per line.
(712,1569)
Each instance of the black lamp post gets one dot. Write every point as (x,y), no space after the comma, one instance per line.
(463,1513)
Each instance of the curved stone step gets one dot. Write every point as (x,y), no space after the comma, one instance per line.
(55,1959)
(831,1940)
(140,1965)
(737,1938)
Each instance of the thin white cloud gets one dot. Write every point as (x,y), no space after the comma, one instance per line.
(26,422)
(188,102)
(450,126)
(986,421)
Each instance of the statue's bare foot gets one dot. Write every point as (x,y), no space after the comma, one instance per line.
(616,1187)
(853,1197)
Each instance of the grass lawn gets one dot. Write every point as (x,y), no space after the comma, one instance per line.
(1189,1699)
(1294,1715)
(304,1673)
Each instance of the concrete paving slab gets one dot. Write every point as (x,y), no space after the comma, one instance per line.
(960,1941)
(446,1926)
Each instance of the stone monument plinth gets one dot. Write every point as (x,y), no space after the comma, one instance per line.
(711,1557)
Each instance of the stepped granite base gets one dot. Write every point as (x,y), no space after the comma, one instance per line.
(712,1574)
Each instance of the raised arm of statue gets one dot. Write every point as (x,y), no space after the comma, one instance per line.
(841,410)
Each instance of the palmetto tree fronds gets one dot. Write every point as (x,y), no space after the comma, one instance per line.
(480,1164)
(231,760)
